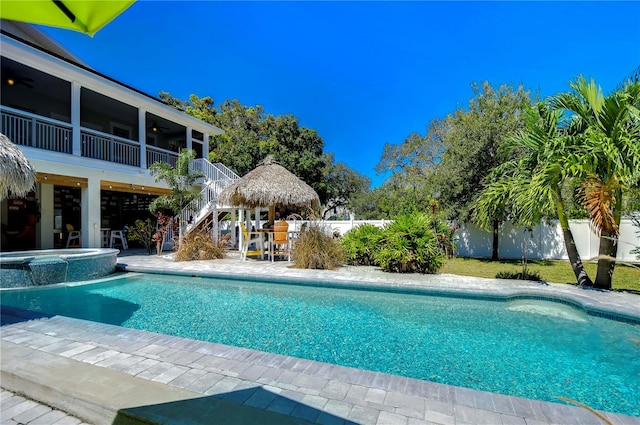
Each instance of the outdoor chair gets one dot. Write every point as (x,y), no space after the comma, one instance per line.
(281,245)
(251,238)
(118,237)
(75,237)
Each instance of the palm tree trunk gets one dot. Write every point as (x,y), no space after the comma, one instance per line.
(496,238)
(608,249)
(606,260)
(570,244)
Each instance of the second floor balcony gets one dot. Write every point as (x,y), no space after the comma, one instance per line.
(39,132)
(84,114)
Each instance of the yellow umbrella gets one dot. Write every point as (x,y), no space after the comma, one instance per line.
(84,16)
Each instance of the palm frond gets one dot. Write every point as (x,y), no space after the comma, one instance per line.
(597,197)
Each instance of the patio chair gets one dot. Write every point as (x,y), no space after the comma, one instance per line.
(281,245)
(251,238)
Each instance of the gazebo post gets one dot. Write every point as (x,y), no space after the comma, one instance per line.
(272,215)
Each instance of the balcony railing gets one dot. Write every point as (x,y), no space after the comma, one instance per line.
(155,154)
(27,129)
(108,147)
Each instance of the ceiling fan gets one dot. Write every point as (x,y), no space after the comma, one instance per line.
(11,78)
(155,128)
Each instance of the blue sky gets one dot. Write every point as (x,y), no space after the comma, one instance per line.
(361,73)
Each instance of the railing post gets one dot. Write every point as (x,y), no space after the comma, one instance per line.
(76,148)
(34,132)
(142,137)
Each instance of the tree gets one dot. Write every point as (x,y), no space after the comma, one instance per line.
(596,149)
(251,134)
(180,180)
(528,187)
(451,161)
(342,184)
(472,142)
(606,131)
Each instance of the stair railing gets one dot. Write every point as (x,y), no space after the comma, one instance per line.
(217,177)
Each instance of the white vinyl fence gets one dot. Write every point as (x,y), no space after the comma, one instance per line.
(544,242)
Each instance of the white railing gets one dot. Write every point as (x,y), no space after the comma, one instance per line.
(27,129)
(155,154)
(107,147)
(217,177)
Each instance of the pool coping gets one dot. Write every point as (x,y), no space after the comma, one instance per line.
(323,392)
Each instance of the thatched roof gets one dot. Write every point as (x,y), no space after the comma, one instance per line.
(16,173)
(269,184)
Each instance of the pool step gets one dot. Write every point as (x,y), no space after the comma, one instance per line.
(101,395)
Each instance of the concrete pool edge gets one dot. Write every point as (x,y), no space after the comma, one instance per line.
(303,386)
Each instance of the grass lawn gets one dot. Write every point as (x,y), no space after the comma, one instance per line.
(624,276)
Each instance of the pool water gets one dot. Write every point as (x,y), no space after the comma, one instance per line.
(527,348)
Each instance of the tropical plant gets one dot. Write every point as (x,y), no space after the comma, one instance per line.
(142,231)
(180,180)
(409,244)
(606,131)
(528,187)
(523,275)
(361,243)
(596,149)
(317,249)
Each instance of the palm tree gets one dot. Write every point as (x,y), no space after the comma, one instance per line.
(528,187)
(606,133)
(180,180)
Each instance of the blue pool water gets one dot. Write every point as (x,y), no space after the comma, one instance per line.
(528,348)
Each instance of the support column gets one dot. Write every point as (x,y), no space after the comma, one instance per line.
(46,226)
(189,139)
(91,214)
(76,146)
(205,146)
(234,211)
(142,137)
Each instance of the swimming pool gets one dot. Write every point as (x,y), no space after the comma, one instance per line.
(529,348)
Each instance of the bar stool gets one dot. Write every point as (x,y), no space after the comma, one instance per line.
(118,234)
(76,237)
(105,237)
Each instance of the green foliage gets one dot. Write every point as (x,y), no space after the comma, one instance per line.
(361,243)
(198,245)
(410,245)
(391,199)
(143,231)
(251,134)
(180,180)
(535,276)
(341,184)
(317,249)
(472,142)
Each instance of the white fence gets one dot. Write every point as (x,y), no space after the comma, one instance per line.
(544,242)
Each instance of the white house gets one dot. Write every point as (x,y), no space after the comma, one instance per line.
(90,138)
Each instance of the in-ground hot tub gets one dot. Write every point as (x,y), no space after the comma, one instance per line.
(45,267)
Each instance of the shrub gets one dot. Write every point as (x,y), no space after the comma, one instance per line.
(361,243)
(317,249)
(535,276)
(143,232)
(198,245)
(410,245)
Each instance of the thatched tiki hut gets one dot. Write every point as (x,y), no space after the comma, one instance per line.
(16,173)
(268,185)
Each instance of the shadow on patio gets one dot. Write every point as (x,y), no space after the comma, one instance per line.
(248,406)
